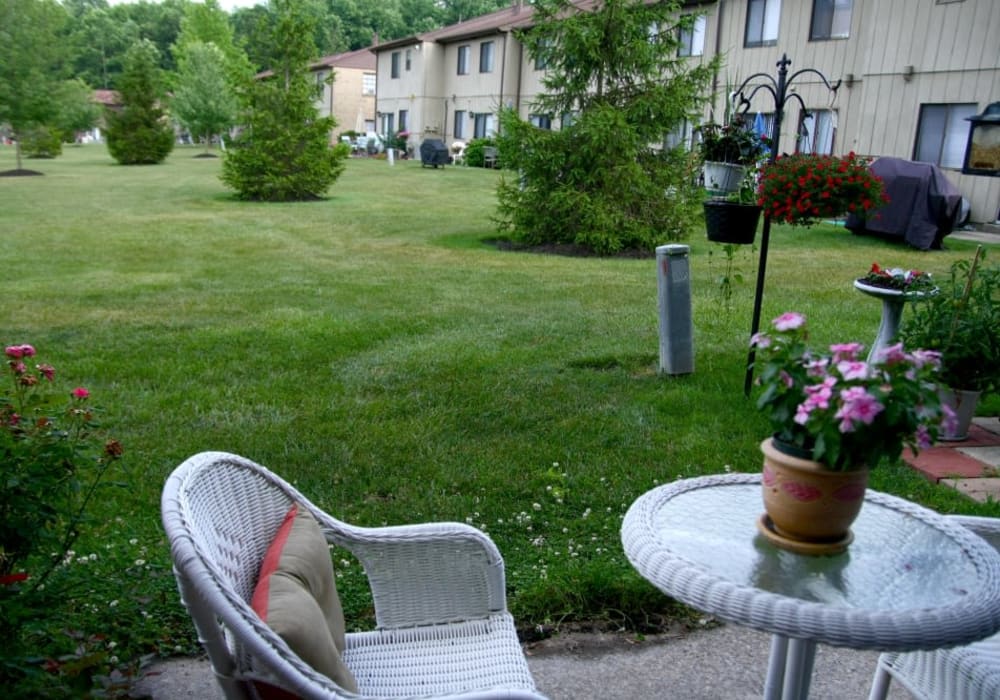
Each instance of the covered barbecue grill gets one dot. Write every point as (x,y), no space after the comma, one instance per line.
(434,152)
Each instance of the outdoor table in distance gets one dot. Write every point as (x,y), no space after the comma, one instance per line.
(910,580)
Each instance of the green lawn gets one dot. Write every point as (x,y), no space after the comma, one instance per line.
(376,351)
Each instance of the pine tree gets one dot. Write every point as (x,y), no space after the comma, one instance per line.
(140,133)
(604,181)
(283,152)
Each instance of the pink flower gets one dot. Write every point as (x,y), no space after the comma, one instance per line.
(949,421)
(852,370)
(790,320)
(19,351)
(48,371)
(858,405)
(846,351)
(786,379)
(922,358)
(923,437)
(892,354)
(19,367)
(816,367)
(80,393)
(760,340)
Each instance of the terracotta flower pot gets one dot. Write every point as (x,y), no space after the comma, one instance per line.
(810,508)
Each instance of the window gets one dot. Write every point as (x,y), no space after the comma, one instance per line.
(566,119)
(409,58)
(816,132)
(831,19)
(404,118)
(320,75)
(463,60)
(542,121)
(942,133)
(485,126)
(762,22)
(460,123)
(692,41)
(486,57)
(542,59)
(394,71)
(368,84)
(388,123)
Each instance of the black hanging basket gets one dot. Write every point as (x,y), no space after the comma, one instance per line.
(731,222)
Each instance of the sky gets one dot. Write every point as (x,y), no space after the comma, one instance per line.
(227,5)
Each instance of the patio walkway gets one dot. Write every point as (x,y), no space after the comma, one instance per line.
(972,466)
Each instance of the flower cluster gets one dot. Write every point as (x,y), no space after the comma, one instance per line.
(801,189)
(50,460)
(839,409)
(734,142)
(898,279)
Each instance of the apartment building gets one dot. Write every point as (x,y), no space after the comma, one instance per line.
(350,98)
(912,72)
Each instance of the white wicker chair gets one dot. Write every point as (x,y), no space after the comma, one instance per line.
(970,672)
(443,629)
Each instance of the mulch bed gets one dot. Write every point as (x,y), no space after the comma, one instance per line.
(567,249)
(19,172)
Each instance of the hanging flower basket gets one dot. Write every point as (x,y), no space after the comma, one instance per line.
(802,189)
(731,222)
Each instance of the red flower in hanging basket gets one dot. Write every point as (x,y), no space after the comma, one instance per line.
(802,189)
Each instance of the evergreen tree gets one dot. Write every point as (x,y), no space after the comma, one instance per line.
(140,134)
(604,181)
(283,152)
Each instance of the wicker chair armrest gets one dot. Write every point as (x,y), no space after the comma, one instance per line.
(425,574)
(987,528)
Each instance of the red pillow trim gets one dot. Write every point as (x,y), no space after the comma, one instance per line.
(262,593)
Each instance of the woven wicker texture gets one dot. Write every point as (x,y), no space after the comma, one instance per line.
(438,589)
(911,579)
(969,672)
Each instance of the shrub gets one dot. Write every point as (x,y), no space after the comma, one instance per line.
(140,133)
(43,142)
(474,152)
(283,153)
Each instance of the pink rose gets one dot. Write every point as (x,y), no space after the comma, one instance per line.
(48,371)
(80,393)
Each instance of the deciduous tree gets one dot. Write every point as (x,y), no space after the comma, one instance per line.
(30,64)
(203,102)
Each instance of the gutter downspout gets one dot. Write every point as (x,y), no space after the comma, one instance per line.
(718,50)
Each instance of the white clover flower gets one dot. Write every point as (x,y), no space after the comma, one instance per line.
(140,562)
(112,644)
(536,506)
(113,603)
(586,513)
(344,562)
(134,541)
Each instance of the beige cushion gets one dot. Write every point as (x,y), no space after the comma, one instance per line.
(296,595)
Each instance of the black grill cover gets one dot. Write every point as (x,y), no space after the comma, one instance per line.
(923,204)
(434,152)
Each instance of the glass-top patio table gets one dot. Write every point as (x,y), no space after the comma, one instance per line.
(910,580)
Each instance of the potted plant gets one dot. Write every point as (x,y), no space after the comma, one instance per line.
(734,218)
(835,417)
(727,152)
(962,322)
(801,189)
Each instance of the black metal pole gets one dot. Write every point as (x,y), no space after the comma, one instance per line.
(779,108)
